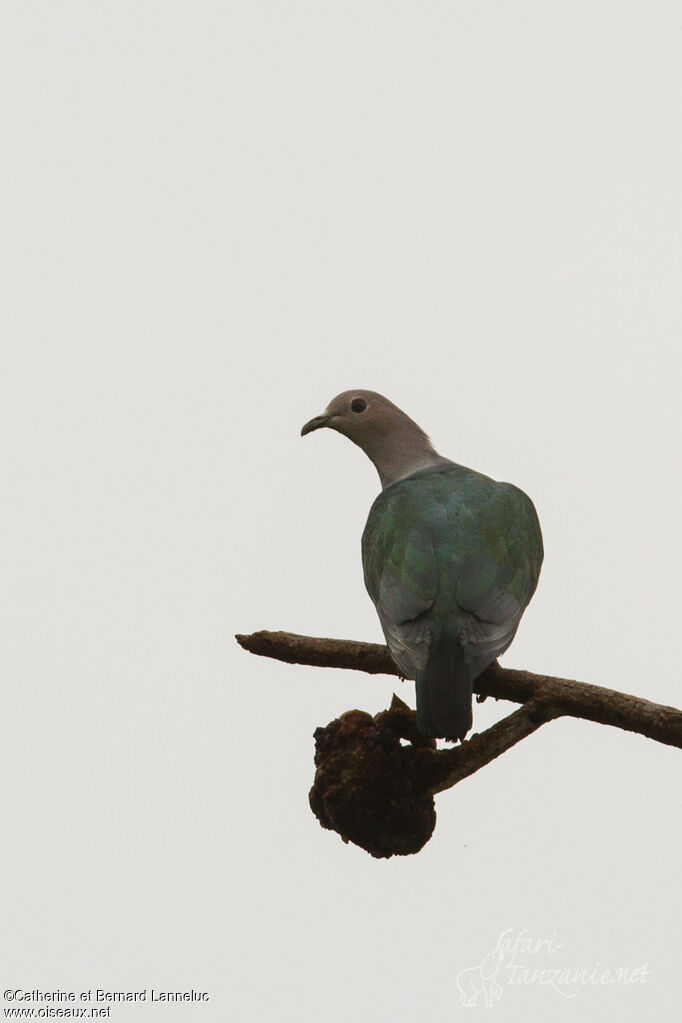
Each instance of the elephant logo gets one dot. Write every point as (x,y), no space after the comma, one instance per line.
(480,981)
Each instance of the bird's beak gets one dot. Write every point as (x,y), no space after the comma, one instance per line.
(316,423)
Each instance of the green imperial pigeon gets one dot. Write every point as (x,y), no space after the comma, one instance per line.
(451,558)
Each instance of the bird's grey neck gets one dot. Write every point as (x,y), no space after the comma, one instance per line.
(406,452)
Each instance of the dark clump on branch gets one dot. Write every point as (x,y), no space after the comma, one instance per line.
(378,793)
(364,788)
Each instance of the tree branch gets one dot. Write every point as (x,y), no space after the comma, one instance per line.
(376,790)
(565,697)
(444,768)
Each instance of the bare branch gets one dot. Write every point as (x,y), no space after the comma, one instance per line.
(444,768)
(563,697)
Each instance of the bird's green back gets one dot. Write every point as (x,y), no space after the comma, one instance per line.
(456,549)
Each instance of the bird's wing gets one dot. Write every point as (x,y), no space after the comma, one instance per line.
(401,575)
(492,545)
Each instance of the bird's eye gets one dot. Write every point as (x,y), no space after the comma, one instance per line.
(358,405)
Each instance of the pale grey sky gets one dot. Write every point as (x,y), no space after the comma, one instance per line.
(216,216)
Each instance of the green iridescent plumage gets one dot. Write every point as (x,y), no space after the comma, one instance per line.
(451,559)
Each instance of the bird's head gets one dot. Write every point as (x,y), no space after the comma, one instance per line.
(392,440)
(359,415)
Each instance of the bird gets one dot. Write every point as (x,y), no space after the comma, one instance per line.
(451,558)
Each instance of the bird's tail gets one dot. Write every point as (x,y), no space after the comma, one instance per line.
(444,692)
